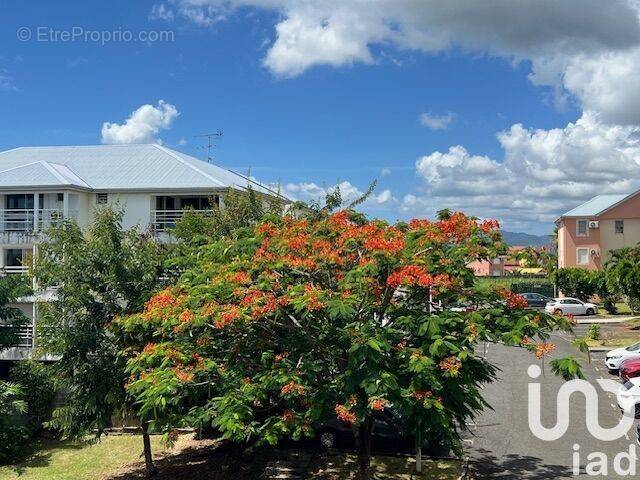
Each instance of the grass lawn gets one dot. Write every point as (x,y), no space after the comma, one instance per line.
(55,460)
(118,458)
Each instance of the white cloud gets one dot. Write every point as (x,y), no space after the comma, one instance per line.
(588,48)
(385,172)
(160,11)
(543,174)
(310,191)
(436,122)
(142,126)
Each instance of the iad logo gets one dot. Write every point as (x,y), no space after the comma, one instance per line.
(563,414)
(624,463)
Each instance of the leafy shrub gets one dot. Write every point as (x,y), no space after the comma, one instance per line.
(12,434)
(594,332)
(38,390)
(578,282)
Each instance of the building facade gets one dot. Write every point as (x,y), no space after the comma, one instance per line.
(588,233)
(151,184)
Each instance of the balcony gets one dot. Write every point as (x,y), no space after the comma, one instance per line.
(164,220)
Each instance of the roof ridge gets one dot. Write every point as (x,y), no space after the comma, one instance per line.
(54,172)
(20,166)
(184,162)
(72,171)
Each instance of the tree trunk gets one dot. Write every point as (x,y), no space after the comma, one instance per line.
(148,458)
(363,446)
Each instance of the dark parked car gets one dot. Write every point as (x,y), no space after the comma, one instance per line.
(386,435)
(536,300)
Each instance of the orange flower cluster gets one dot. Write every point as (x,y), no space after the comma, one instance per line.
(227,316)
(345,414)
(241,278)
(450,364)
(281,356)
(378,403)
(410,275)
(422,394)
(260,303)
(543,348)
(391,241)
(186,316)
(288,416)
(313,300)
(182,374)
(514,301)
(473,330)
(293,388)
(490,225)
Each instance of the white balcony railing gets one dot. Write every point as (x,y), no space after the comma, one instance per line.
(163,220)
(14,270)
(24,336)
(24,220)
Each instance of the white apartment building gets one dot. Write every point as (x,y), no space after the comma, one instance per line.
(40,186)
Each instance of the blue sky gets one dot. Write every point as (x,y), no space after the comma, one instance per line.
(305,101)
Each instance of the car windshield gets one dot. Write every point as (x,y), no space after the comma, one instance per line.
(628,385)
(633,348)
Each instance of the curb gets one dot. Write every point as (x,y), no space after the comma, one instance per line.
(600,349)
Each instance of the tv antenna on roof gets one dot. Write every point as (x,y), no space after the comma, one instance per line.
(211,137)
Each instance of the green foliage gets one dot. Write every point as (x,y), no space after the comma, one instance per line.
(12,434)
(12,318)
(577,282)
(295,321)
(37,383)
(98,274)
(568,368)
(623,275)
(594,332)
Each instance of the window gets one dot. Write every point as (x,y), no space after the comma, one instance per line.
(60,197)
(101,198)
(582,226)
(619,226)
(583,256)
(14,257)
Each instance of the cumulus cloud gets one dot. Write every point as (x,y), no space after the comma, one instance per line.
(543,173)
(142,126)
(436,122)
(585,48)
(310,191)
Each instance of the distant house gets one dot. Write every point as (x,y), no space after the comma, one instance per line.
(497,267)
(588,233)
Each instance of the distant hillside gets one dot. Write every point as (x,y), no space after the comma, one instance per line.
(525,239)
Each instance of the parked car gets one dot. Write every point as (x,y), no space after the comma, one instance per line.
(615,357)
(536,299)
(628,396)
(570,306)
(386,435)
(630,368)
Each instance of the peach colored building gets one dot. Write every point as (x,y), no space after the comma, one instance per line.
(497,267)
(588,233)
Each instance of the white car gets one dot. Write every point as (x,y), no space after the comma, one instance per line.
(628,396)
(570,306)
(615,357)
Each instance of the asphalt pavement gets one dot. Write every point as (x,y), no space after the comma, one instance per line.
(501,444)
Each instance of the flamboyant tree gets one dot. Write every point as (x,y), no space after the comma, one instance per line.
(296,320)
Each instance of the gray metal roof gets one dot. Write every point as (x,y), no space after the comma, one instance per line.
(116,167)
(596,205)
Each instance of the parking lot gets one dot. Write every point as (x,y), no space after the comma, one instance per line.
(501,444)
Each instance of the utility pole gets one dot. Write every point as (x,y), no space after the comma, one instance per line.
(211,137)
